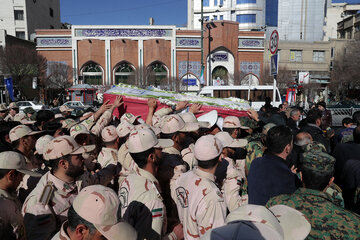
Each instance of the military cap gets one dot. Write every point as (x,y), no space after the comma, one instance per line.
(13,105)
(228,141)
(190,117)
(124,128)
(29,110)
(21,117)
(58,115)
(78,129)
(277,222)
(210,117)
(129,117)
(65,108)
(314,147)
(41,143)
(15,161)
(21,131)
(98,205)
(144,139)
(108,134)
(318,161)
(3,107)
(156,130)
(68,123)
(64,145)
(233,122)
(207,148)
(174,123)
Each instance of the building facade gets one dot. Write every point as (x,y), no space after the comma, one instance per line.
(349,27)
(250,14)
(20,18)
(154,55)
(301,20)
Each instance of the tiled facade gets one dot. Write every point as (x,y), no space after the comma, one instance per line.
(140,54)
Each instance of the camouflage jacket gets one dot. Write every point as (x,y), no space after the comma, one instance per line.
(328,220)
(254,149)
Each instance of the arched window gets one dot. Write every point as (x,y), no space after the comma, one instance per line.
(124,73)
(157,75)
(221,76)
(92,74)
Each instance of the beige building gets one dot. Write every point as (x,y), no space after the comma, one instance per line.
(312,59)
(349,28)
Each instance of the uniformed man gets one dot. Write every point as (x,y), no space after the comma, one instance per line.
(141,202)
(231,184)
(65,111)
(13,110)
(46,206)
(23,119)
(200,204)
(30,113)
(95,214)
(108,154)
(3,111)
(328,220)
(12,170)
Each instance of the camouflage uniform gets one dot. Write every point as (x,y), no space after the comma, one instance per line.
(327,219)
(11,220)
(100,124)
(107,156)
(44,218)
(254,148)
(200,203)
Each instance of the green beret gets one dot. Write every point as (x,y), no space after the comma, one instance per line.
(29,110)
(318,161)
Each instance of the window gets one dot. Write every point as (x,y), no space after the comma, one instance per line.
(215,2)
(206,18)
(296,55)
(318,56)
(246,18)
(92,74)
(331,65)
(332,52)
(245,1)
(206,3)
(20,34)
(221,3)
(19,14)
(215,17)
(51,12)
(221,17)
(124,74)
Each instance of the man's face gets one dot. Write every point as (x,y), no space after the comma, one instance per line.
(13,111)
(76,166)
(16,179)
(29,142)
(230,152)
(321,108)
(296,117)
(3,114)
(158,153)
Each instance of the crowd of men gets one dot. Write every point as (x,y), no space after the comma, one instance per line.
(180,173)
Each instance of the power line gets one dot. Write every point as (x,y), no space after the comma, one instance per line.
(121,10)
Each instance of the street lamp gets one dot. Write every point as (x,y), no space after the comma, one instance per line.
(210,26)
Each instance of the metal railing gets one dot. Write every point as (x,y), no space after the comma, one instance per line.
(338,114)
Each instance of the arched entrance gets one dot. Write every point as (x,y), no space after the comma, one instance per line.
(220,76)
(92,73)
(124,72)
(221,57)
(157,74)
(189,83)
(250,79)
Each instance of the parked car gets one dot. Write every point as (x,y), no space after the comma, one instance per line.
(79,107)
(36,106)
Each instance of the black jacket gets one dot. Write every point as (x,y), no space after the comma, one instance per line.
(317,134)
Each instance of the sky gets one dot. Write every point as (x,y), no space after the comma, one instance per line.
(123,12)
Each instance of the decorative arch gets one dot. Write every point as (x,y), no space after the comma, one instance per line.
(124,72)
(92,73)
(189,82)
(251,78)
(157,74)
(221,57)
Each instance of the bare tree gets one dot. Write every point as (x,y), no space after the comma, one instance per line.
(284,77)
(22,64)
(59,75)
(345,75)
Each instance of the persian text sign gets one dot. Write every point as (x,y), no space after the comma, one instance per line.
(123,32)
(251,43)
(53,42)
(189,67)
(220,57)
(250,67)
(188,42)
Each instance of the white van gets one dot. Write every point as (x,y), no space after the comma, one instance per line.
(254,94)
